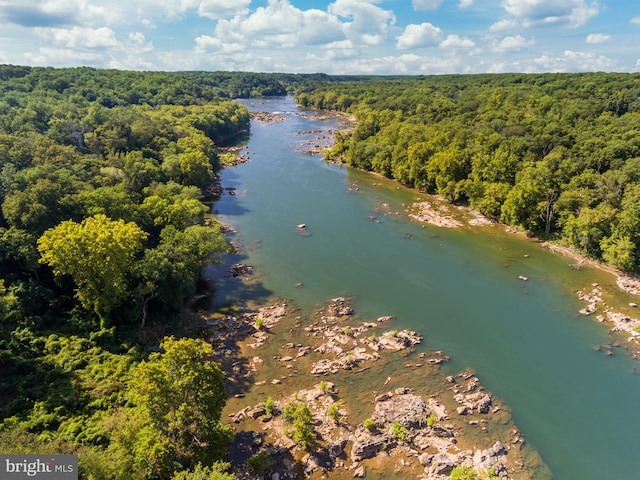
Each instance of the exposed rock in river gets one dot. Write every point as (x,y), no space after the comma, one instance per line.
(621,322)
(410,433)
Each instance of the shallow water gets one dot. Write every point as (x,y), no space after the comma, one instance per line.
(460,288)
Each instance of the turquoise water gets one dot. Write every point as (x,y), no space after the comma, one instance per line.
(460,288)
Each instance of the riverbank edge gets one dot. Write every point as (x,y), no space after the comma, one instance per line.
(449,217)
(425,435)
(465,394)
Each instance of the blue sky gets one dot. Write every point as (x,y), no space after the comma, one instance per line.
(336,37)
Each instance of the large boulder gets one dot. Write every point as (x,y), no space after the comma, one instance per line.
(366,445)
(411,411)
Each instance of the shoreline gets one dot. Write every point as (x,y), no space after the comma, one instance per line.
(447,215)
(360,422)
(440,213)
(278,373)
(274,357)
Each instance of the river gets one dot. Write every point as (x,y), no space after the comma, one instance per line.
(524,339)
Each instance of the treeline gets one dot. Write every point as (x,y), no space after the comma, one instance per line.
(111,88)
(103,234)
(557,155)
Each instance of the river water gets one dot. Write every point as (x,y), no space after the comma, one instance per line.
(576,406)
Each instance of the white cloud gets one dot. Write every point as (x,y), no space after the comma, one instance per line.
(422,5)
(572,61)
(455,41)
(138,44)
(573,13)
(418,36)
(636,20)
(512,44)
(407,63)
(62,57)
(337,52)
(319,27)
(504,26)
(466,3)
(79,38)
(366,23)
(131,62)
(276,18)
(593,38)
(34,13)
(279,25)
(217,9)
(207,44)
(59,13)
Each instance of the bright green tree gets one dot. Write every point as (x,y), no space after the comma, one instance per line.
(463,473)
(215,472)
(182,392)
(98,254)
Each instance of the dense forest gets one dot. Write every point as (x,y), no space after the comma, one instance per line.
(556,155)
(104,235)
(104,178)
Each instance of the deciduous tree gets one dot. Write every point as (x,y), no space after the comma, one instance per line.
(98,254)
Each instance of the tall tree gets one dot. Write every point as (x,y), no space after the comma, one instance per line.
(98,254)
(182,391)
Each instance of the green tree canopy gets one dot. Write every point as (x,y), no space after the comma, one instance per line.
(182,391)
(98,254)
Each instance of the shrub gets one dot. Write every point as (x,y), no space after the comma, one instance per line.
(259,323)
(369,424)
(334,412)
(399,432)
(491,473)
(432,420)
(269,405)
(300,417)
(463,473)
(259,463)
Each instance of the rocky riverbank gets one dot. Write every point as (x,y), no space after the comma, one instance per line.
(618,321)
(438,212)
(308,401)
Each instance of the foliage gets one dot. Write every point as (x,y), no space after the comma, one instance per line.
(333,411)
(218,471)
(555,155)
(182,392)
(398,431)
(491,474)
(98,254)
(432,420)
(369,424)
(102,178)
(269,406)
(259,323)
(259,463)
(463,473)
(300,417)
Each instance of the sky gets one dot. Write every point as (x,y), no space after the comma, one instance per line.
(382,37)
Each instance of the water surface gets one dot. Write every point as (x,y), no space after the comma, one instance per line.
(459,288)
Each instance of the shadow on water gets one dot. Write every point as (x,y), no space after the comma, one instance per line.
(231,195)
